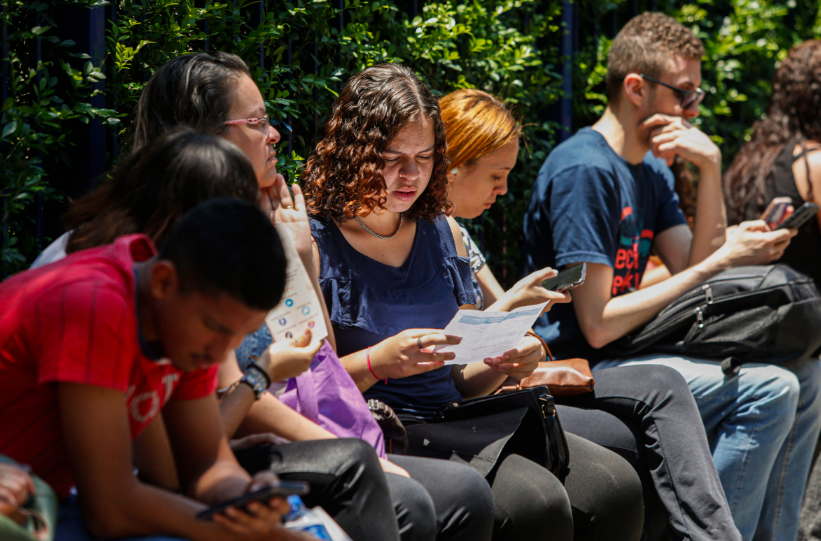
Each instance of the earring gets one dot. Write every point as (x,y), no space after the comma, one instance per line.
(454,171)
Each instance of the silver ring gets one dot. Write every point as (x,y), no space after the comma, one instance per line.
(419,343)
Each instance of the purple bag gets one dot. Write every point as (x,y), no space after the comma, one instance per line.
(327,395)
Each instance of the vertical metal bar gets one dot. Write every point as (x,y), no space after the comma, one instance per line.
(290,119)
(6,82)
(316,92)
(261,44)
(565,115)
(614,23)
(38,201)
(112,17)
(415,8)
(207,28)
(634,8)
(653,6)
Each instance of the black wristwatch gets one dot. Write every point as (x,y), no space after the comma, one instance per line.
(257,379)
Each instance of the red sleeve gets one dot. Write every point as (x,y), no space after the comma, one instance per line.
(84,333)
(196,384)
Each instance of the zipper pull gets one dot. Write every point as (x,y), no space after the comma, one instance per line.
(699,318)
(708,293)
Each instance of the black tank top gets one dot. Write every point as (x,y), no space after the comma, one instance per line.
(804,252)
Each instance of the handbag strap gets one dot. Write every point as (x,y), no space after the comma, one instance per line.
(544,344)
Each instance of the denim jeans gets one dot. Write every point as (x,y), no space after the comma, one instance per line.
(764,423)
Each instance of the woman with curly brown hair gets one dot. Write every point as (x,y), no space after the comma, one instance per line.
(393,271)
(781,158)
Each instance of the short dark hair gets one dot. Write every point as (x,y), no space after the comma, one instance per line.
(228,246)
(645,45)
(343,177)
(151,189)
(195,90)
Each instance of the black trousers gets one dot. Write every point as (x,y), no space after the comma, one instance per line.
(648,415)
(601,498)
(442,501)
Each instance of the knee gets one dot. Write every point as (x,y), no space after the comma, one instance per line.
(475,513)
(356,455)
(415,511)
(772,385)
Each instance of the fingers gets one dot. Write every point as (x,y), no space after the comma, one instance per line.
(541,275)
(656,120)
(299,198)
(284,193)
(254,440)
(437,339)
(304,339)
(263,479)
(753,225)
(425,366)
(555,297)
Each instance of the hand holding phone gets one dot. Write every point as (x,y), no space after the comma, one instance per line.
(567,279)
(799,217)
(262,495)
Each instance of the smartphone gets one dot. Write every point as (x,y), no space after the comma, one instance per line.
(567,279)
(799,217)
(283,488)
(774,212)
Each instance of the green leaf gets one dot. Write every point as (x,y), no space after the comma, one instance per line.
(8,129)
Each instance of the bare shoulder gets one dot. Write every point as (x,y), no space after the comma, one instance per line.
(457,237)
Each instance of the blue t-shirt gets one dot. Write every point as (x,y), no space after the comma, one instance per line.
(590,205)
(370,301)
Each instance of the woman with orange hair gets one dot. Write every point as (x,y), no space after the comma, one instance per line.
(645,413)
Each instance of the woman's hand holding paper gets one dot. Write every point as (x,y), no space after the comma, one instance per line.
(289,358)
(521,361)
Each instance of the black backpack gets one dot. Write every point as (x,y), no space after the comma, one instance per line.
(769,314)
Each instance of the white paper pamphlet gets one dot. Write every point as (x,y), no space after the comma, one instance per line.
(299,308)
(488,334)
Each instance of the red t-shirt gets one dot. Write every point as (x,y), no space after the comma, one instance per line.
(75,321)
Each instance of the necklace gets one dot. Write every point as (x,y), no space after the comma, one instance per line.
(401,218)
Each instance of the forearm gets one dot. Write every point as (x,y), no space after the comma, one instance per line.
(268,414)
(626,313)
(476,379)
(137,509)
(356,364)
(225,479)
(234,407)
(711,218)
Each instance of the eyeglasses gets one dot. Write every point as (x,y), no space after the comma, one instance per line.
(261,122)
(689,97)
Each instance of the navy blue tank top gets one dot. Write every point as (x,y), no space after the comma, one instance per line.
(370,301)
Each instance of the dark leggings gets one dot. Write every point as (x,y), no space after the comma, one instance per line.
(442,501)
(647,415)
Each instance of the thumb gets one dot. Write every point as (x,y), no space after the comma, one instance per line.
(304,339)
(543,274)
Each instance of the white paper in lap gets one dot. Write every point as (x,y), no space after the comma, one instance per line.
(299,308)
(488,334)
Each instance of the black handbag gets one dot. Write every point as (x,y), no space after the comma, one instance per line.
(540,436)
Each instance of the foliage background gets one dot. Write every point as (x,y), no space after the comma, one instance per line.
(300,52)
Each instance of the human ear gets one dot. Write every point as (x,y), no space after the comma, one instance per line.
(164,279)
(635,89)
(452,174)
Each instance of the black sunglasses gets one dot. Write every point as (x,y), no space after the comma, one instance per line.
(689,97)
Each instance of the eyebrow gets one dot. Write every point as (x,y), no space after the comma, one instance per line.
(420,152)
(218,326)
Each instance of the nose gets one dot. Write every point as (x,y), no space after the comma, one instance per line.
(273,135)
(501,188)
(409,170)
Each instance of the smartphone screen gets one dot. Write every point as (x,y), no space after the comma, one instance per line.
(774,212)
(800,216)
(567,279)
(283,488)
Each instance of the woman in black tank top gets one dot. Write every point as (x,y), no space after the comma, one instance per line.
(782,143)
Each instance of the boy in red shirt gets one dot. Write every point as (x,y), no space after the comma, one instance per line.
(94,347)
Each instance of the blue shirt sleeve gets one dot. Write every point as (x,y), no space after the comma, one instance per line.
(584,216)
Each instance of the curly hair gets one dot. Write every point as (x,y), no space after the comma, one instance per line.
(477,124)
(645,45)
(343,177)
(791,115)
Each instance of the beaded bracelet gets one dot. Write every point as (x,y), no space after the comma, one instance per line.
(368,356)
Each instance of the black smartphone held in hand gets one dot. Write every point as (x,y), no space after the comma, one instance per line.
(799,217)
(283,488)
(774,212)
(567,279)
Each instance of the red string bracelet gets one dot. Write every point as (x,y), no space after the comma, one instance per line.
(368,356)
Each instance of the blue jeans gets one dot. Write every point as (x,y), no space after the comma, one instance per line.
(764,423)
(71,526)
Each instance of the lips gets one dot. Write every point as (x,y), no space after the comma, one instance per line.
(405,194)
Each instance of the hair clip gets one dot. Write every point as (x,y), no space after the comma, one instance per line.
(454,171)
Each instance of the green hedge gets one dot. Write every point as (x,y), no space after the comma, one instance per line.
(507,47)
